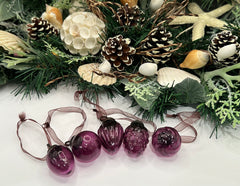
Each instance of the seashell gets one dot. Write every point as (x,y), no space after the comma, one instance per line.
(148,69)
(196,59)
(131,3)
(155,4)
(90,43)
(169,76)
(87,73)
(84,32)
(226,52)
(11,42)
(53,15)
(78,43)
(105,67)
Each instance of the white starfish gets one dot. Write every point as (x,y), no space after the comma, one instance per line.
(202,19)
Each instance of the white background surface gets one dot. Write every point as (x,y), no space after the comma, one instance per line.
(204,162)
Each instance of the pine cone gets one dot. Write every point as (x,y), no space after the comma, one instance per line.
(39,27)
(129,16)
(135,138)
(118,52)
(156,45)
(220,40)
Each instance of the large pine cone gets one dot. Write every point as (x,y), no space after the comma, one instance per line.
(118,52)
(219,41)
(157,46)
(40,27)
(129,16)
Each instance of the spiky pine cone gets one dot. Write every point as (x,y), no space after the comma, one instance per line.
(129,16)
(39,27)
(135,138)
(156,45)
(118,52)
(219,41)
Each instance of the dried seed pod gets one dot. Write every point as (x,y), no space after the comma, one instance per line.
(216,48)
(118,52)
(82,33)
(157,45)
(40,27)
(131,3)
(129,16)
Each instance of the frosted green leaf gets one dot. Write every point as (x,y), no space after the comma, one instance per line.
(9,8)
(145,93)
(190,91)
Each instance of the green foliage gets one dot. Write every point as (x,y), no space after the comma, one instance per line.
(145,93)
(226,102)
(9,9)
(190,91)
(3,76)
(68,58)
(167,100)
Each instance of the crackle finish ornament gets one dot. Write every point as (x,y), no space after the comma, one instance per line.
(82,33)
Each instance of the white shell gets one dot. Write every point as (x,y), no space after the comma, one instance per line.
(105,67)
(148,69)
(226,52)
(10,42)
(169,76)
(155,4)
(87,73)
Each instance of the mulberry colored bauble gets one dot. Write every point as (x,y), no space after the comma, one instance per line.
(135,138)
(111,135)
(60,160)
(82,33)
(118,52)
(216,48)
(166,141)
(86,146)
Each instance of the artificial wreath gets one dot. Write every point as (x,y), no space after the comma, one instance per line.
(143,49)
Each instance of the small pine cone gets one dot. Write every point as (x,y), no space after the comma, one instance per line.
(156,45)
(39,27)
(219,41)
(129,16)
(118,52)
(135,138)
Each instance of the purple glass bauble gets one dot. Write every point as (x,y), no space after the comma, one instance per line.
(166,141)
(60,160)
(86,146)
(135,138)
(111,135)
